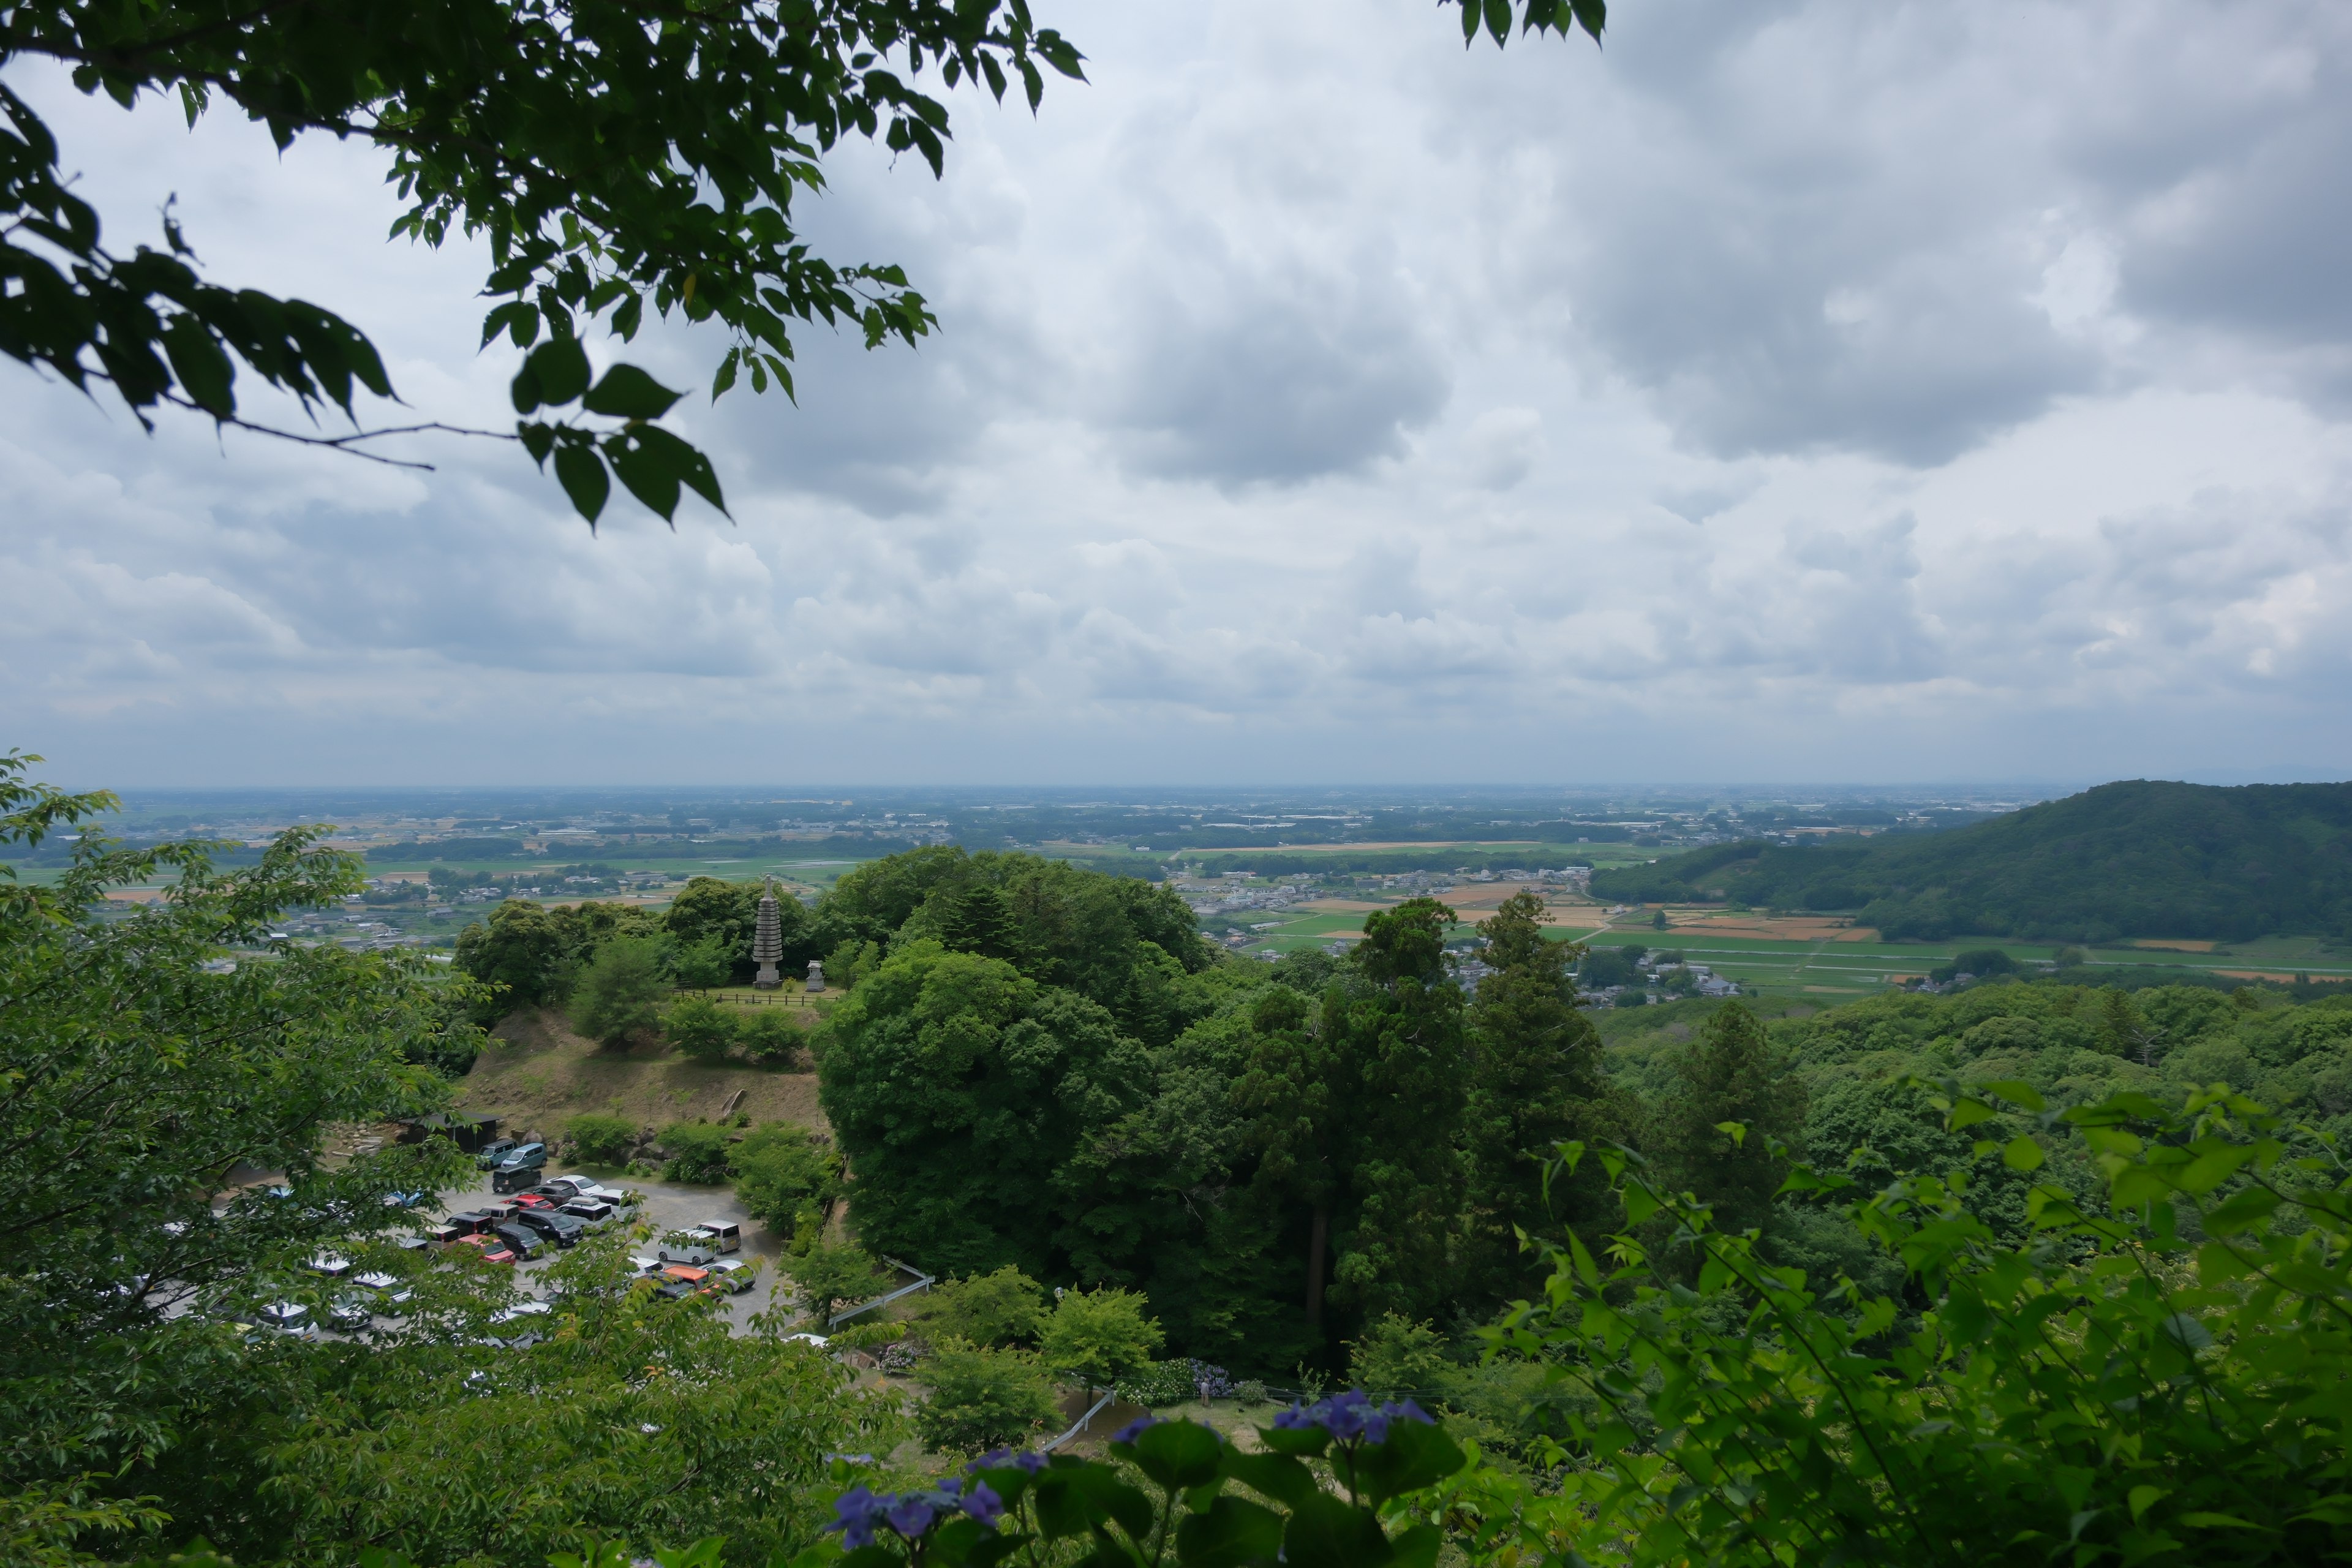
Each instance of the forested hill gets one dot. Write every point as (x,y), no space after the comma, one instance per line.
(2136,858)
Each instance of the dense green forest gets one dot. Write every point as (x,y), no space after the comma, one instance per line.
(1526,1242)
(2129,859)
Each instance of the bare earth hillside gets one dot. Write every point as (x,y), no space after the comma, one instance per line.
(536,1073)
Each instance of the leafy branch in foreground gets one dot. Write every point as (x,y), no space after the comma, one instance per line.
(2167,1381)
(616,157)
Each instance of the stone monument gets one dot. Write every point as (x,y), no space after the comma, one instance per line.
(768,941)
(817,975)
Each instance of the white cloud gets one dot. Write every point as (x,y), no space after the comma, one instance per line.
(1811,389)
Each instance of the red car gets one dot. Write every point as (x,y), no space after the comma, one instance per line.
(534,1201)
(493,1249)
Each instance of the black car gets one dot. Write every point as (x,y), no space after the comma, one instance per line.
(559,1229)
(520,1240)
(468,1221)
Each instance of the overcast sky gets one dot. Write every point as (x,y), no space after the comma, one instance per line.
(1836,391)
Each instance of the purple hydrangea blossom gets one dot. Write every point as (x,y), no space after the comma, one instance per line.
(911,1515)
(983,1503)
(1135,1428)
(855,1512)
(1352,1416)
(1006,1458)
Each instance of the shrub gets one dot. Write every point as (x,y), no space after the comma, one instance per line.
(2157,1382)
(620,993)
(599,1139)
(699,1153)
(988,1309)
(787,1179)
(983,1399)
(773,1038)
(1158,1385)
(831,1277)
(702,965)
(1397,1356)
(699,1028)
(1099,1336)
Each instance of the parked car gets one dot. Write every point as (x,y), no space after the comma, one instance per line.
(724,1235)
(524,1157)
(561,1188)
(414,1243)
(520,1240)
(616,1196)
(504,1209)
(444,1235)
(693,1256)
(559,1229)
(469,1220)
(496,1150)
(333,1265)
(287,1318)
(588,1211)
(535,1200)
(391,1296)
(735,1273)
(492,1246)
(351,1312)
(514,1178)
(819,1341)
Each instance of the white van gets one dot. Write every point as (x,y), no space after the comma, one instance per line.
(724,1235)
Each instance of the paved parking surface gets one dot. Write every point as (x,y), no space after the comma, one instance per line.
(670,1205)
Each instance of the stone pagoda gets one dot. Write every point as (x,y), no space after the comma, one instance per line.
(768,941)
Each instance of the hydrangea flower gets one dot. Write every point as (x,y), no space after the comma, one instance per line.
(1006,1458)
(856,1511)
(1135,1428)
(911,1515)
(983,1503)
(1352,1416)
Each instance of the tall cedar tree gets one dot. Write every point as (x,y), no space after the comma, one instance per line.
(1356,1123)
(1730,1073)
(1536,1079)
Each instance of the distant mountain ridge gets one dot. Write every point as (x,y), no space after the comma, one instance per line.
(2138,859)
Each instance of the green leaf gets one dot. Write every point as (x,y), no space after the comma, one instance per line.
(1301,1440)
(2145,1498)
(1178,1453)
(1415,1456)
(582,473)
(558,369)
(1230,1533)
(1324,1533)
(2022,1154)
(654,463)
(2016,1093)
(628,393)
(1417,1547)
(204,371)
(2241,1211)
(1278,1476)
(2201,1520)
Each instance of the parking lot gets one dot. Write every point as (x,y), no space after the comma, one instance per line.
(668,1205)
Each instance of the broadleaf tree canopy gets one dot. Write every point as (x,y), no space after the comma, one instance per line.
(615,157)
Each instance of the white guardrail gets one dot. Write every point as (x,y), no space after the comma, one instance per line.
(922,1282)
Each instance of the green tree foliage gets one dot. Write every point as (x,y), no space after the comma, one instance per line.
(960,1090)
(700,1152)
(700,966)
(1098,1336)
(772,1038)
(631,1417)
(2138,859)
(991,1311)
(980,1398)
(599,1139)
(1729,1074)
(788,1179)
(719,916)
(617,168)
(1537,1080)
(699,1028)
(832,1277)
(620,993)
(2159,1377)
(531,956)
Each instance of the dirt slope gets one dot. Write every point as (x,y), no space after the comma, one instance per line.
(537,1072)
